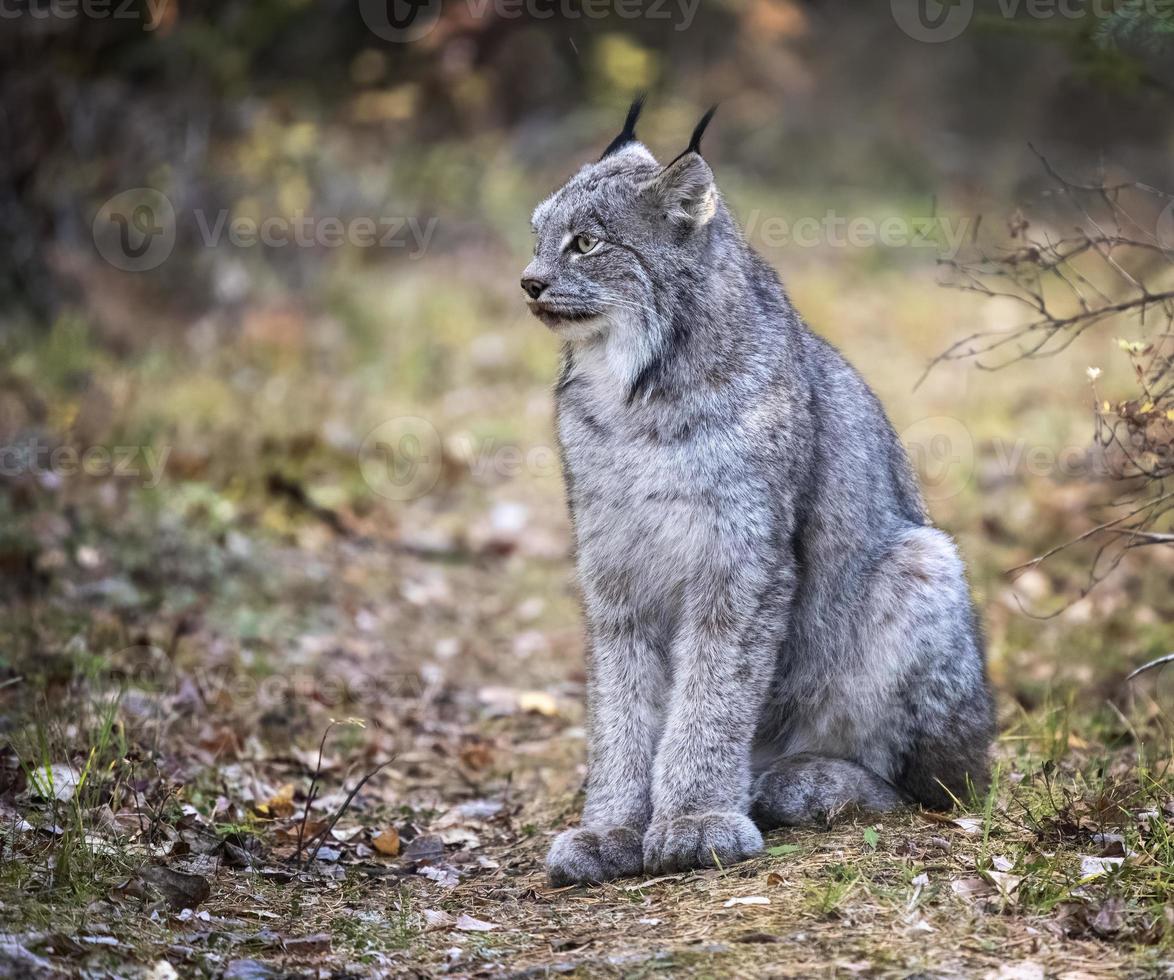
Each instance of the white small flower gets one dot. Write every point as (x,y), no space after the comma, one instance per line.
(1093,373)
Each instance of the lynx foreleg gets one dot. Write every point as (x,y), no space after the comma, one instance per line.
(735,621)
(625,697)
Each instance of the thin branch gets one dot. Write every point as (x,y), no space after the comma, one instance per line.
(321,836)
(1168,658)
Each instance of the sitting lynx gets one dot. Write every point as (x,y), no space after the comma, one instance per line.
(776,630)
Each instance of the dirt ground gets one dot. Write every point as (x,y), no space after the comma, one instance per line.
(313,706)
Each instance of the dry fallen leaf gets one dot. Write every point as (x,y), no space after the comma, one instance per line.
(311,830)
(462,836)
(178,889)
(971,888)
(314,945)
(538,702)
(466,923)
(220,741)
(437,919)
(53,782)
(387,842)
(444,875)
(1094,867)
(500,701)
(1110,917)
(426,849)
(1024,970)
(471,811)
(280,804)
(1005,883)
(478,755)
(746,900)
(162,970)
(652,881)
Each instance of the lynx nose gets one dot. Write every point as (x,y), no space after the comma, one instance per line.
(534,287)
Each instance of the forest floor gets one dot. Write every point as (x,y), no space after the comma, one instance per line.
(296,689)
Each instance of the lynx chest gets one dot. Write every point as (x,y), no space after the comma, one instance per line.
(641,485)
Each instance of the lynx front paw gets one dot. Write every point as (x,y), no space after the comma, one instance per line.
(704,840)
(591,855)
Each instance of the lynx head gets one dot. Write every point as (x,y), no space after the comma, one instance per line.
(615,239)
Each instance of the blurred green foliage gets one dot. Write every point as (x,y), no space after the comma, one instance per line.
(285,106)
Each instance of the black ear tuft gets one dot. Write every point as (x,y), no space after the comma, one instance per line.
(628,133)
(695,140)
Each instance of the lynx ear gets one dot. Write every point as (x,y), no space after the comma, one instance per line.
(684,192)
(628,133)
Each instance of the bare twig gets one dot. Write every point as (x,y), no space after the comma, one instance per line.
(1051,276)
(1153,663)
(321,836)
(313,790)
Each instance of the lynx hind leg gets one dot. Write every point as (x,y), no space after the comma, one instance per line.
(942,720)
(808,788)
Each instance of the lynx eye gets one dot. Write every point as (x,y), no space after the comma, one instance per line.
(585,244)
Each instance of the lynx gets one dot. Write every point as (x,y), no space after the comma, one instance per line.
(776,631)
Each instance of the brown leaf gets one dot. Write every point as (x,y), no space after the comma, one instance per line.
(932,816)
(179,890)
(313,829)
(387,842)
(222,742)
(280,804)
(425,849)
(478,755)
(307,945)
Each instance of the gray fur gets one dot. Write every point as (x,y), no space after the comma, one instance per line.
(807,788)
(765,598)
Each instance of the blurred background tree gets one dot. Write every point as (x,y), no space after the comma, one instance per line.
(286,105)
